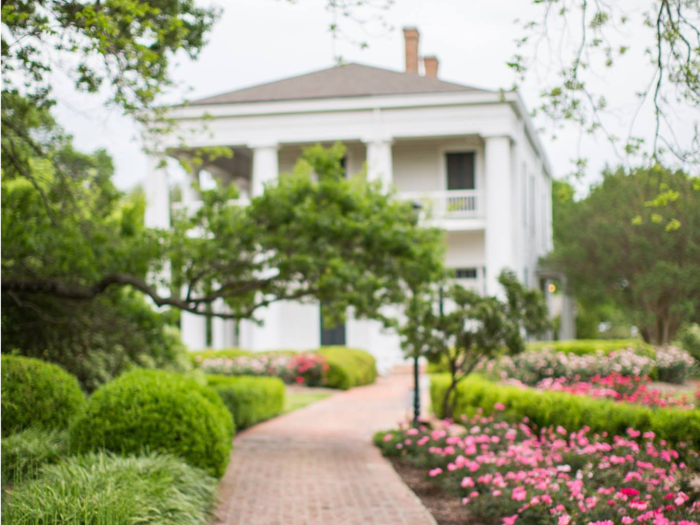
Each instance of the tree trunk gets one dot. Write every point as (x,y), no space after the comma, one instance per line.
(447,404)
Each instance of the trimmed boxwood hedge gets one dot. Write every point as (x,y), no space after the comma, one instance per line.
(546,408)
(348,367)
(592,346)
(250,399)
(37,394)
(159,411)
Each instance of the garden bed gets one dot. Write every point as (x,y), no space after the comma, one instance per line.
(445,508)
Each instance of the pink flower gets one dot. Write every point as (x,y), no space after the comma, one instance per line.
(388,437)
(629,492)
(626,520)
(499,406)
(519,494)
(435,472)
(510,520)
(564,520)
(467,482)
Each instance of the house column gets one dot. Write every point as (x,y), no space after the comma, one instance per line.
(499,211)
(193,329)
(222,329)
(265,336)
(265,167)
(379,162)
(157,213)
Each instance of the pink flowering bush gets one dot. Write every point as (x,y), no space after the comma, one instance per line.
(514,474)
(674,365)
(303,368)
(618,387)
(670,364)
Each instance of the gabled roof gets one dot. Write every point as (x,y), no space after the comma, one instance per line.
(350,80)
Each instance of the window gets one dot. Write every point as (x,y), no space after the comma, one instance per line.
(460,171)
(332,335)
(465,273)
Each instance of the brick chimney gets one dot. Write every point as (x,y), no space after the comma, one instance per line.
(431,64)
(411,36)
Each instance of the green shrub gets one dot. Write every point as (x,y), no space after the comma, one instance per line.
(348,367)
(229,353)
(250,399)
(37,394)
(96,340)
(159,411)
(24,453)
(592,346)
(546,408)
(689,340)
(102,489)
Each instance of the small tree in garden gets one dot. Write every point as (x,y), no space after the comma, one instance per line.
(479,328)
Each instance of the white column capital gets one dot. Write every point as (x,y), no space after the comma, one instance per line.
(264,144)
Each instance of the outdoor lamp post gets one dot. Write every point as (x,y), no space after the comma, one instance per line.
(417,206)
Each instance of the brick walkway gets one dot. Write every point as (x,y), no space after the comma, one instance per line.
(318,466)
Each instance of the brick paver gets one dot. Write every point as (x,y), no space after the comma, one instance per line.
(318,466)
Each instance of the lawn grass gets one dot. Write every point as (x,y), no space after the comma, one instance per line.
(297,400)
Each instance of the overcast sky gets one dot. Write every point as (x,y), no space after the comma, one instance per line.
(257,41)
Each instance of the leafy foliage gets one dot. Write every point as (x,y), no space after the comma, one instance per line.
(568,410)
(343,242)
(25,453)
(474,329)
(37,394)
(103,489)
(159,411)
(121,47)
(593,346)
(95,340)
(587,39)
(348,367)
(617,245)
(249,399)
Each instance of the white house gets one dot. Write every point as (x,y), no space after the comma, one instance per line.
(470,155)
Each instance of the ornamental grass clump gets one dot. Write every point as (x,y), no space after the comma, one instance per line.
(513,473)
(104,489)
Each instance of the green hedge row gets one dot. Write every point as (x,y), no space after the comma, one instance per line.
(37,394)
(348,367)
(158,411)
(546,408)
(250,399)
(592,346)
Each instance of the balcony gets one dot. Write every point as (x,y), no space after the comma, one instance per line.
(452,210)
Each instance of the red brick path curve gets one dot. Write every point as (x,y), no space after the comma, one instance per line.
(317,465)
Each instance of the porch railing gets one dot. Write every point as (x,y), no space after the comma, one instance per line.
(451,204)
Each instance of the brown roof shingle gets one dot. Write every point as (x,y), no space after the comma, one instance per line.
(350,80)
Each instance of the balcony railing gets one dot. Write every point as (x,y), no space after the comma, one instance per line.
(454,204)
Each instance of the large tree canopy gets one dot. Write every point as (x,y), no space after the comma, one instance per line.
(314,234)
(635,240)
